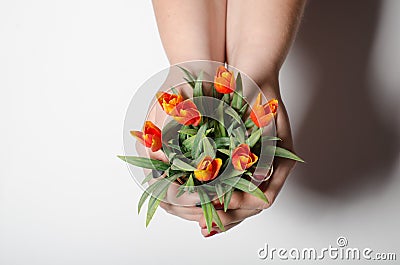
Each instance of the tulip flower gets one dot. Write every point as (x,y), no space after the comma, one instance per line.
(243,158)
(262,115)
(208,168)
(150,136)
(224,81)
(168,101)
(186,113)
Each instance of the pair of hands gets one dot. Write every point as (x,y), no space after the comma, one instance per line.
(242,204)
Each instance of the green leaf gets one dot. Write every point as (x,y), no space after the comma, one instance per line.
(174,91)
(147,178)
(230,172)
(171,150)
(237,99)
(154,202)
(271,138)
(154,186)
(196,143)
(208,148)
(144,162)
(221,130)
(146,194)
(243,110)
(216,218)
(188,155)
(230,128)
(225,151)
(190,184)
(281,152)
(231,112)
(233,143)
(174,146)
(239,134)
(158,194)
(227,198)
(220,192)
(189,77)
(209,131)
(191,83)
(249,123)
(214,92)
(220,121)
(254,137)
(246,186)
(206,206)
(181,191)
(188,143)
(170,156)
(198,87)
(178,164)
(209,211)
(227,99)
(188,131)
(222,141)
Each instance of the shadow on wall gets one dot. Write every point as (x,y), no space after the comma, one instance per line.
(348,148)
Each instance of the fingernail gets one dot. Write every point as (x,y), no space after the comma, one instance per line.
(213,232)
(213,225)
(218,206)
(198,204)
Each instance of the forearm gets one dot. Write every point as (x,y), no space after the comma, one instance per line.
(192,29)
(258,43)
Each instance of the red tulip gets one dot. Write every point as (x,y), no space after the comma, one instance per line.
(243,158)
(168,101)
(150,136)
(224,81)
(262,115)
(208,169)
(186,113)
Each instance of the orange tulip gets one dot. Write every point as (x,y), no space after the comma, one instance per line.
(208,168)
(243,158)
(186,113)
(168,101)
(224,81)
(262,115)
(150,136)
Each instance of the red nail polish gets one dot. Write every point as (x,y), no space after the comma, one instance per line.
(213,232)
(214,224)
(218,206)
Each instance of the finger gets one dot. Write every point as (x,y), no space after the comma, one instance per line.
(146,152)
(241,200)
(187,213)
(181,209)
(216,230)
(230,217)
(271,188)
(278,178)
(186,199)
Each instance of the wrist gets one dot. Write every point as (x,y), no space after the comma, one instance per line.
(270,87)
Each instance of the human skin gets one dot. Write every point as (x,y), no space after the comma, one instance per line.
(254,36)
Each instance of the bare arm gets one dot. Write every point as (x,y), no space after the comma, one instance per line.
(259,35)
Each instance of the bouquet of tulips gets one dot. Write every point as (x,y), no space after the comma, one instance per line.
(213,147)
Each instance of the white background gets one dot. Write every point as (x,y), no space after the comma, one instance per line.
(67,72)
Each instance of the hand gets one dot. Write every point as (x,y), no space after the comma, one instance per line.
(242,205)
